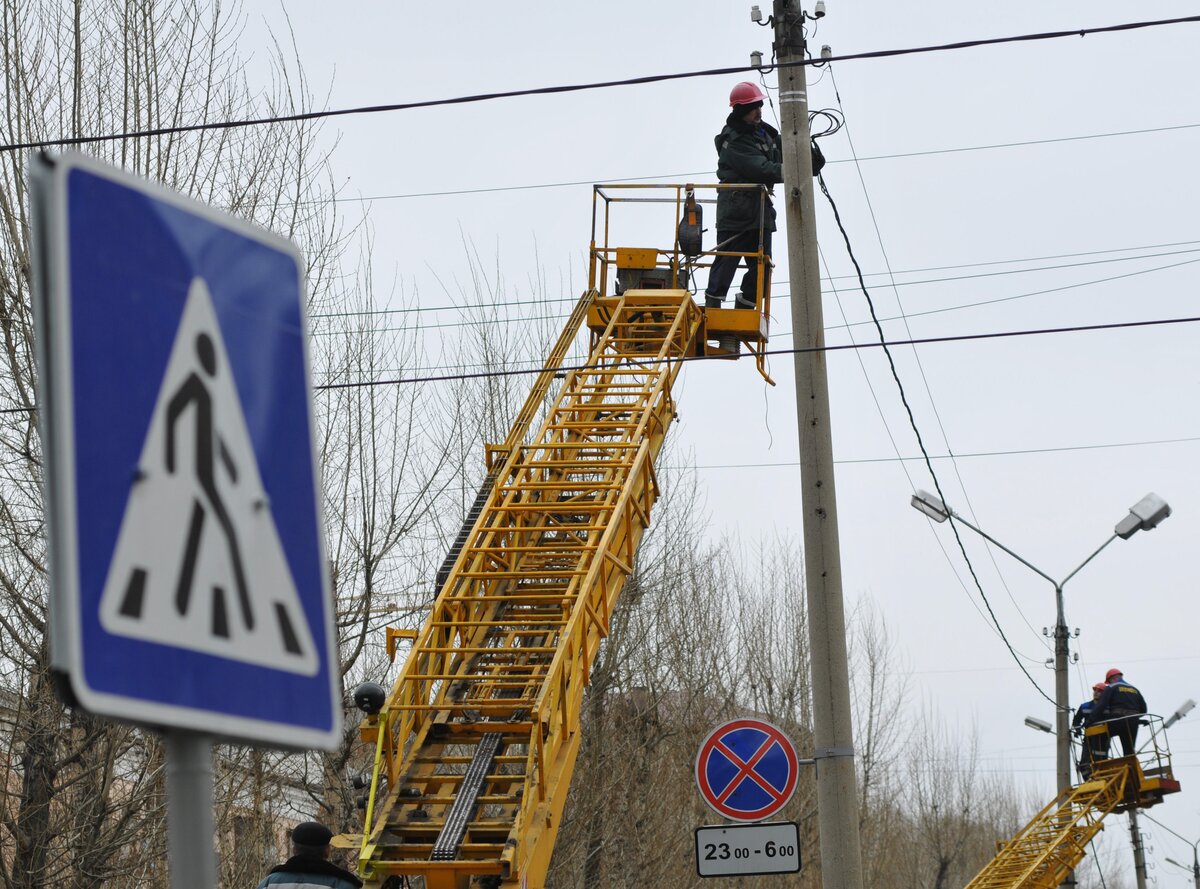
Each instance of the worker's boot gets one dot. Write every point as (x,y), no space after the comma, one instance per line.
(741,301)
(713,302)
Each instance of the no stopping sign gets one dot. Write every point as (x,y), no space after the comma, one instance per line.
(746,769)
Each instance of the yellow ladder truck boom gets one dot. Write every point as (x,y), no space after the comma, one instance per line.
(476,741)
(1054,842)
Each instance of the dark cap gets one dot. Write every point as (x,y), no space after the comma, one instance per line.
(311,833)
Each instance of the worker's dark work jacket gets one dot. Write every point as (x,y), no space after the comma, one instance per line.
(746,153)
(1119,699)
(305,872)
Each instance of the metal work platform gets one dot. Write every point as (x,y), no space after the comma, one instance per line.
(1054,842)
(614,268)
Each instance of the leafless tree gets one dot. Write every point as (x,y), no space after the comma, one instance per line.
(83,806)
(952,811)
(880,697)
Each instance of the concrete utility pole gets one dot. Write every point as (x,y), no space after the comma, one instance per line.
(833,735)
(1139,853)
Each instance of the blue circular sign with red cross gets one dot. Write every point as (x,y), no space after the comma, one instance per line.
(746,769)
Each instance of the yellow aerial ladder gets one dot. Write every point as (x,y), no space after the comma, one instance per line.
(476,741)
(1051,845)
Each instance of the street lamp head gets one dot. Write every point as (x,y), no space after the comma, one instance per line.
(1177,864)
(1184,709)
(1144,515)
(931,506)
(1040,724)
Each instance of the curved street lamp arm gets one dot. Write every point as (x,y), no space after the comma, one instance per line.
(1173,833)
(1088,559)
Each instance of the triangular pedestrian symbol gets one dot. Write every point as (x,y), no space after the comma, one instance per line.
(198,561)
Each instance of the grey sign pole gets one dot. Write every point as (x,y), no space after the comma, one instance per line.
(190,828)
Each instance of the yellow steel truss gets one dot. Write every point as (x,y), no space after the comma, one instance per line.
(1053,843)
(477,740)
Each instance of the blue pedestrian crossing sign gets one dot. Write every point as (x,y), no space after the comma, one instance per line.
(188,579)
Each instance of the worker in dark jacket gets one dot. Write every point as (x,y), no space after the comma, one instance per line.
(310,867)
(1094,746)
(1120,707)
(750,151)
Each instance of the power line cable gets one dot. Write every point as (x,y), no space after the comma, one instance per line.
(675,176)
(1043,292)
(967,337)
(1096,861)
(1043,258)
(708,467)
(839,123)
(501,188)
(921,443)
(782,334)
(595,85)
(884,344)
(1041,268)
(1024,143)
(962,485)
(891,437)
(829,278)
(1014,452)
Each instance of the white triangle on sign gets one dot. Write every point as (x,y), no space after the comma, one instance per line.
(198,561)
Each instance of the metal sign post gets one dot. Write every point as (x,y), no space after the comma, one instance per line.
(190,825)
(189,588)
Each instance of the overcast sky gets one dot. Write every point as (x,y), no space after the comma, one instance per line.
(1056,436)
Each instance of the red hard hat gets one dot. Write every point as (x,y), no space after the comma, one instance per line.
(746,93)
(1108,677)
(1099,686)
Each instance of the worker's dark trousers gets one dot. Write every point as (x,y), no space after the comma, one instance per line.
(720,276)
(1126,729)
(1095,749)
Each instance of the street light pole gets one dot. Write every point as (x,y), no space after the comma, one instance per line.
(1144,515)
(1062,692)
(1195,857)
(1062,733)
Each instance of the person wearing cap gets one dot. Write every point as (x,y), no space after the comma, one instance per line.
(1095,746)
(1120,707)
(748,150)
(310,867)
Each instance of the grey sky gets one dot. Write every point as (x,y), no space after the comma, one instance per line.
(1062,394)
